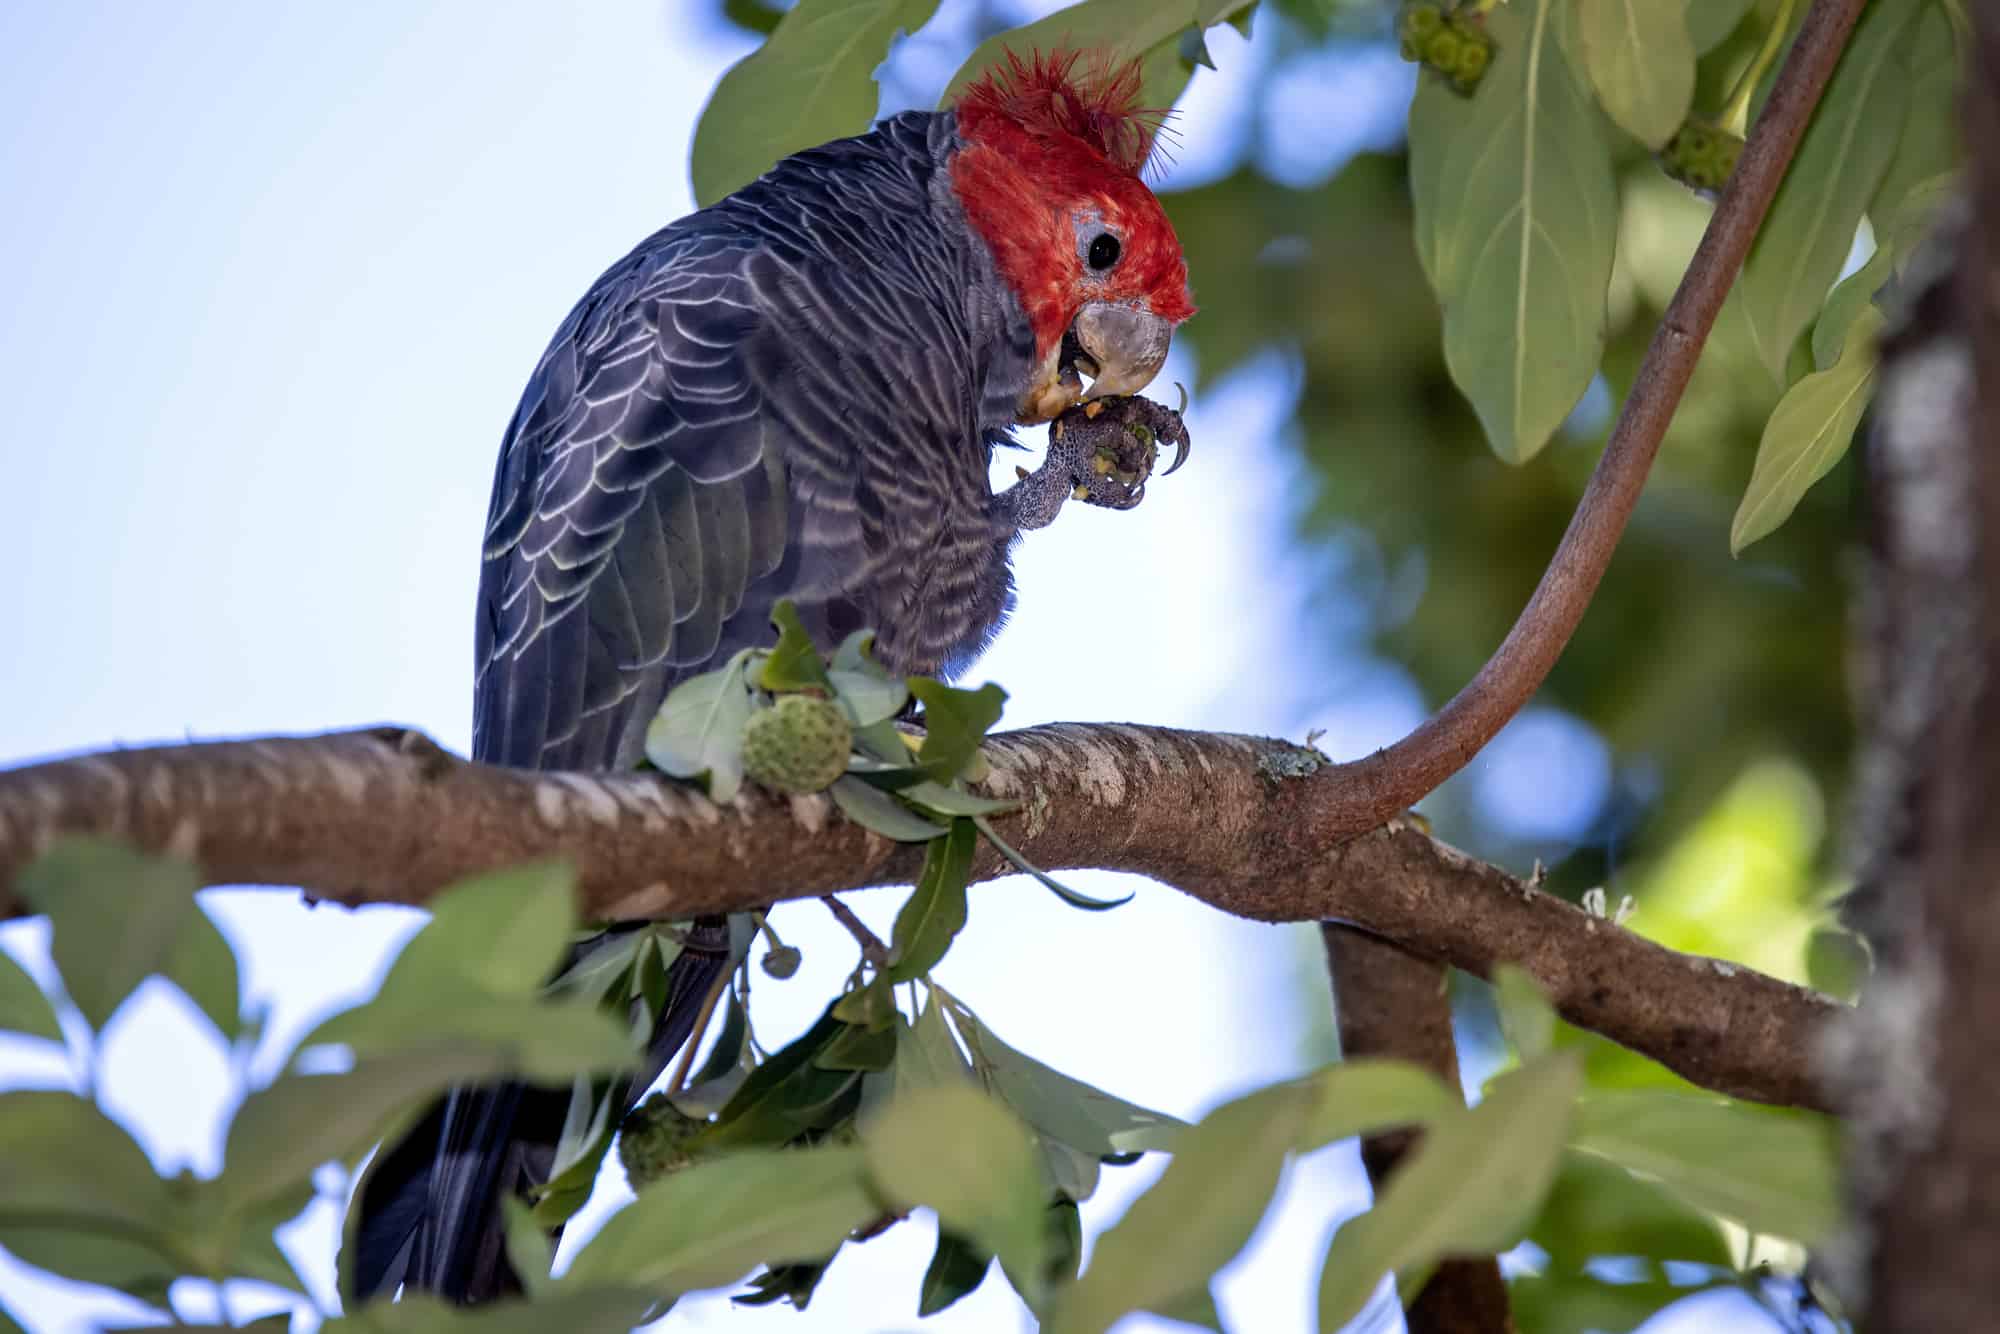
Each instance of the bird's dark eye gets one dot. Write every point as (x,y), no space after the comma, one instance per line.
(1103,251)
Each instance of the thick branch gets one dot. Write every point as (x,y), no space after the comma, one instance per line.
(1252,826)
(1391,1003)
(1391,781)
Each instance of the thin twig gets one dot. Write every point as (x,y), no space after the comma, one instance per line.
(708,1003)
(872,948)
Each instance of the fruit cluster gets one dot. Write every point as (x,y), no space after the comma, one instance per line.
(657,1140)
(1701,155)
(1454,44)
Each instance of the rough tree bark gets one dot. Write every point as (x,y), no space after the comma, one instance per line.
(1916,1064)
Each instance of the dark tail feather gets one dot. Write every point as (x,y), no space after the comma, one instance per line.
(430,1204)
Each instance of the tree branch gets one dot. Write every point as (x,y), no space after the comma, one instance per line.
(1387,1002)
(1254,827)
(1393,780)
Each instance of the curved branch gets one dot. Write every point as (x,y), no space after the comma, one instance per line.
(1395,779)
(1253,827)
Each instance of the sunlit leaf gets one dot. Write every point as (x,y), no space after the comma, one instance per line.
(708,1223)
(1195,1218)
(812,79)
(1364,1096)
(1596,1208)
(1516,221)
(544,1042)
(962,1154)
(1640,57)
(1808,433)
(1810,229)
(699,729)
(794,662)
(502,932)
(1057,1104)
(1471,1186)
(935,912)
(1773,1171)
(943,800)
(24,1010)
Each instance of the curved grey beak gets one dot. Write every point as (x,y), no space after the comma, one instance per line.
(1127,345)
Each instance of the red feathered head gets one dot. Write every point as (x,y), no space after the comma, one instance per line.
(1049,177)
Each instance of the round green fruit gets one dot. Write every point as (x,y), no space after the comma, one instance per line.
(656,1141)
(800,744)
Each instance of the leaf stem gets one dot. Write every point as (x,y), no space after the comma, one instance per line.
(678,1084)
(872,948)
(1736,111)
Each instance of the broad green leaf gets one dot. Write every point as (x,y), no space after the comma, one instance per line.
(955,722)
(858,1047)
(1362,1097)
(1808,432)
(872,1006)
(1930,145)
(1775,1172)
(792,1283)
(542,1042)
(867,699)
(812,79)
(1575,1303)
(530,1250)
(1845,303)
(699,729)
(1596,1208)
(1150,31)
(133,1266)
(501,933)
(874,809)
(1470,1187)
(794,662)
(116,916)
(960,1153)
(1057,1105)
(707,1224)
(1071,1171)
(203,966)
(1709,21)
(24,1009)
(1837,962)
(927,1056)
(786,1094)
(1197,1216)
(943,800)
(282,1133)
(1640,56)
(62,1161)
(1525,1015)
(1047,881)
(1516,216)
(935,912)
(1810,229)
(957,1267)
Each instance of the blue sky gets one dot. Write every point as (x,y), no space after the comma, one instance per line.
(275,275)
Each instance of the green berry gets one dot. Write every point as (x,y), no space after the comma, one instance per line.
(783,961)
(1441,52)
(657,1141)
(1419,21)
(799,744)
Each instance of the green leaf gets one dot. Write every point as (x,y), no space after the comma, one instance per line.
(1470,1187)
(1810,229)
(858,1047)
(794,1283)
(203,966)
(957,1151)
(957,1267)
(699,729)
(1710,21)
(874,809)
(1775,1172)
(786,1094)
(955,722)
(1072,1172)
(1057,1105)
(872,1006)
(1197,1216)
(23,1008)
(935,912)
(1930,145)
(62,1161)
(1837,962)
(1516,217)
(949,801)
(866,689)
(117,917)
(1150,31)
(810,81)
(1365,1096)
(1573,1303)
(82,1256)
(1640,58)
(282,1133)
(794,662)
(927,1056)
(1525,1015)
(708,1223)
(501,933)
(542,1042)
(613,1308)
(1048,882)
(1596,1208)
(1808,433)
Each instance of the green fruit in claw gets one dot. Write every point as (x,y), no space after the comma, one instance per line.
(655,1141)
(800,744)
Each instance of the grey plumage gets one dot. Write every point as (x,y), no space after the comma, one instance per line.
(791,394)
